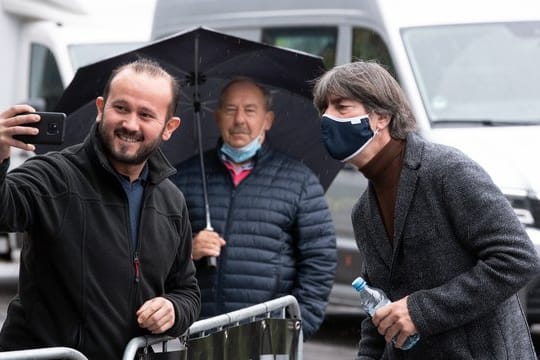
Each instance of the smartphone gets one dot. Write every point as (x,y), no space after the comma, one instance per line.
(51,129)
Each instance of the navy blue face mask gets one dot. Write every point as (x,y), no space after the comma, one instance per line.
(345,138)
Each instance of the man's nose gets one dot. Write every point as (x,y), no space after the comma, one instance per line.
(239,117)
(131,121)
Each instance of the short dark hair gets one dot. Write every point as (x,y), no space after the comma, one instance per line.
(152,68)
(372,85)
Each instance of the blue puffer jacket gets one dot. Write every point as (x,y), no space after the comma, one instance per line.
(279,233)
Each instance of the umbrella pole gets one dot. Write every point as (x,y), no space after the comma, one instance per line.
(211,261)
(203,173)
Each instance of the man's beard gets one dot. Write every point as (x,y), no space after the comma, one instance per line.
(144,152)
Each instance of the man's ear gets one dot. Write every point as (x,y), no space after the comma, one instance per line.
(383,121)
(100,104)
(269,120)
(172,124)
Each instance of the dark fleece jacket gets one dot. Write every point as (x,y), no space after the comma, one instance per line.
(81,280)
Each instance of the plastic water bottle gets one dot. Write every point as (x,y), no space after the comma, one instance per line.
(371,299)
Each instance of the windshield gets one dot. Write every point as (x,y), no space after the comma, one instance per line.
(484,72)
(320,41)
(84,54)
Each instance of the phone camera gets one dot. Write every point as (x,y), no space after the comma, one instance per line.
(52,129)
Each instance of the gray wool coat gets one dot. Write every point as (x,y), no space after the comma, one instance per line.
(459,253)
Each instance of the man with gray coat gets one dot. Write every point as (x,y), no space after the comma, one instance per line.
(434,231)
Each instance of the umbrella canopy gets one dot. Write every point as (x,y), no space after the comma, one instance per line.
(204,61)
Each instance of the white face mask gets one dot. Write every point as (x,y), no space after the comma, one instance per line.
(246,152)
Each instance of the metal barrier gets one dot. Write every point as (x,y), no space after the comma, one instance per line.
(261,322)
(263,329)
(43,353)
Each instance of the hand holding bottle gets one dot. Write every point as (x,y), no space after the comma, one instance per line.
(394,322)
(392,319)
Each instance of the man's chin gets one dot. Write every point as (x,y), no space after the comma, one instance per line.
(128,157)
(129,149)
(128,160)
(131,153)
(239,143)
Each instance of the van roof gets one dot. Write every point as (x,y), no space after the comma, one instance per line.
(110,14)
(169,14)
(79,21)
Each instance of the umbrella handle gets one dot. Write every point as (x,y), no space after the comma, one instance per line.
(211,261)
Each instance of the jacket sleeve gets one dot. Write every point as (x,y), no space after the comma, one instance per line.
(26,189)
(316,258)
(371,344)
(181,285)
(485,224)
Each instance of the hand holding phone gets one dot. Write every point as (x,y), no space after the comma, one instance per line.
(51,128)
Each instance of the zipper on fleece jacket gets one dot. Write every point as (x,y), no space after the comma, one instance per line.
(137,266)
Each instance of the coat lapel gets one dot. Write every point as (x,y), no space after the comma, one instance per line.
(375,227)
(407,185)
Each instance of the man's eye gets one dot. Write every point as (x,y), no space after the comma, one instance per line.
(344,107)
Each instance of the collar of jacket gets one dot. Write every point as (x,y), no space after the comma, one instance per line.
(158,166)
(414,148)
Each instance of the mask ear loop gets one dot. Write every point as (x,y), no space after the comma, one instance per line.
(262,134)
(377,129)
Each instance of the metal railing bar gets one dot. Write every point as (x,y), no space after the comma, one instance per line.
(43,353)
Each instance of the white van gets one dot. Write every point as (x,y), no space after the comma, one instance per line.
(469,68)
(44,42)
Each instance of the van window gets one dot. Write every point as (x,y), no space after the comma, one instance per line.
(478,73)
(368,45)
(84,54)
(45,80)
(320,41)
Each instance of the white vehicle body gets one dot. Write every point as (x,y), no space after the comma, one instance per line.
(40,38)
(469,68)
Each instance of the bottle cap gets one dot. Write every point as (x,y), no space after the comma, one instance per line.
(359,283)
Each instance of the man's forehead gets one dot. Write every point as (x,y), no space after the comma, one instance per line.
(332,98)
(242,88)
(233,102)
(244,99)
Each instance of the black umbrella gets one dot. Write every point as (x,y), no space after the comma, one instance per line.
(204,61)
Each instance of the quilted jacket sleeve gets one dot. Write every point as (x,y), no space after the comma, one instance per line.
(317,257)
